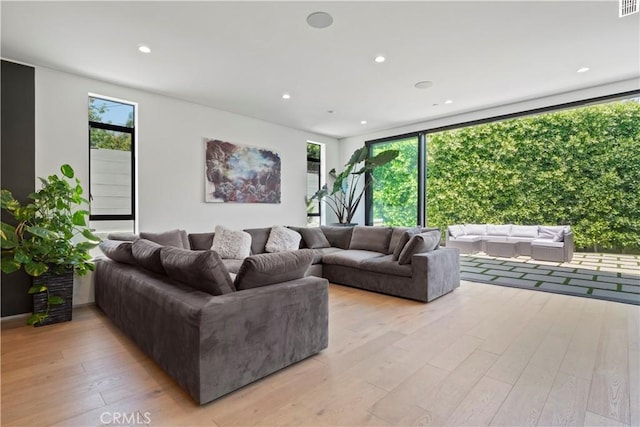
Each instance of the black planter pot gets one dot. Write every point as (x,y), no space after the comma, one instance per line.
(59,285)
(342,224)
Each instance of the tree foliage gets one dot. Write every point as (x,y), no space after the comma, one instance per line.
(107,139)
(578,167)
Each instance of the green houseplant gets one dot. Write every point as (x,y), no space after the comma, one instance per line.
(50,237)
(344,193)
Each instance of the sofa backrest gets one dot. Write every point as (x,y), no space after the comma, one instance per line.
(371,238)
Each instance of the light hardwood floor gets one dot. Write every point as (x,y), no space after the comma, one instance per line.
(482,355)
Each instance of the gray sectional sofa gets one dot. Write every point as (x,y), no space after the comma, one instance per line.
(540,242)
(215,325)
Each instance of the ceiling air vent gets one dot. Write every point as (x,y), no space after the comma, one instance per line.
(628,7)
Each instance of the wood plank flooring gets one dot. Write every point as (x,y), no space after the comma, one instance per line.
(482,355)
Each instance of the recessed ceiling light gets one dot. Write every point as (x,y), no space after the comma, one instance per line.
(286,96)
(144,49)
(319,20)
(583,69)
(426,84)
(448,101)
(379,59)
(363,122)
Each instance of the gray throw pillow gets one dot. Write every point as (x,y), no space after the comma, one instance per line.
(200,241)
(419,243)
(119,251)
(176,238)
(369,238)
(338,236)
(124,235)
(267,269)
(314,238)
(202,270)
(404,239)
(147,255)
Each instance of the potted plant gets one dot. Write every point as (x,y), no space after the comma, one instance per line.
(50,241)
(345,192)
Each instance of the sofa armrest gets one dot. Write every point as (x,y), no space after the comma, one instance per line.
(249,334)
(440,269)
(568,246)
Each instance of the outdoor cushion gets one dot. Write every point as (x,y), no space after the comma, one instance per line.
(551,232)
(119,251)
(201,241)
(548,243)
(524,231)
(202,270)
(147,255)
(259,237)
(420,243)
(338,236)
(231,244)
(499,230)
(176,238)
(282,239)
(520,239)
(386,265)
(468,239)
(404,239)
(368,238)
(350,258)
(456,230)
(475,229)
(267,269)
(495,238)
(314,238)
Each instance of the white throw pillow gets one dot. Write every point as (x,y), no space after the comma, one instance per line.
(555,233)
(231,244)
(282,239)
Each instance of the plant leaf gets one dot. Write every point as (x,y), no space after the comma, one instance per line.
(9,265)
(36,318)
(41,232)
(36,289)
(67,170)
(22,256)
(85,246)
(90,236)
(35,268)
(79,218)
(56,300)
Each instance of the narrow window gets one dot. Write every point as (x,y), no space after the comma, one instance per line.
(111,162)
(314,169)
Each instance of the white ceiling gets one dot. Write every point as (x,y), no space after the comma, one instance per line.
(242,56)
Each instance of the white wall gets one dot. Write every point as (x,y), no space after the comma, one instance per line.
(349,145)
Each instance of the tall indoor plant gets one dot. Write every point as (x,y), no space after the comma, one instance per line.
(344,194)
(50,239)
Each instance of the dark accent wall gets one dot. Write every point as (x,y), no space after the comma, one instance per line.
(17,123)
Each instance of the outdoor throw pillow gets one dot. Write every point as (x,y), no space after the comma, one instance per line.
(118,251)
(268,269)
(555,233)
(282,239)
(420,243)
(147,255)
(231,244)
(456,230)
(404,239)
(176,238)
(202,270)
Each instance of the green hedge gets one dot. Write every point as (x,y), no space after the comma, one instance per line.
(578,167)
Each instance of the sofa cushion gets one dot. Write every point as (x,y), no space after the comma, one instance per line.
(232,265)
(475,229)
(147,255)
(368,238)
(466,238)
(520,239)
(530,231)
(201,241)
(396,234)
(176,238)
(386,265)
(550,243)
(318,254)
(122,235)
(420,243)
(282,239)
(406,236)
(119,251)
(498,230)
(267,269)
(259,237)
(233,244)
(202,270)
(349,258)
(338,237)
(314,238)
(555,233)
(456,230)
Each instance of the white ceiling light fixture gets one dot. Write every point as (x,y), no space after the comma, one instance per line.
(380,59)
(448,101)
(583,70)
(144,48)
(426,84)
(319,20)
(363,122)
(286,96)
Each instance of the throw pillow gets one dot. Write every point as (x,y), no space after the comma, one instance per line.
(456,230)
(404,239)
(176,238)
(119,251)
(420,243)
(551,232)
(231,244)
(314,238)
(267,269)
(202,270)
(338,236)
(369,238)
(147,255)
(282,239)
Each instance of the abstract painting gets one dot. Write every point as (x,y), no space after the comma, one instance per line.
(240,174)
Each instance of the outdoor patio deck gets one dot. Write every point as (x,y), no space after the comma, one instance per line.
(613,277)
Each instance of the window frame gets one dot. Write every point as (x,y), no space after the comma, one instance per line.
(319,162)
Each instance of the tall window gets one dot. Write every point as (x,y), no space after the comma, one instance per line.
(314,163)
(111,160)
